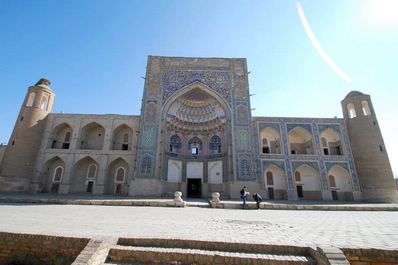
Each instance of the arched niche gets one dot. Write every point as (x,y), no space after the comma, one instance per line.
(196,111)
(307,182)
(331,142)
(61,136)
(300,141)
(351,110)
(85,173)
(340,183)
(275,183)
(116,181)
(270,141)
(52,174)
(122,138)
(92,136)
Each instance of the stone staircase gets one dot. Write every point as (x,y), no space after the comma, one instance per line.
(176,252)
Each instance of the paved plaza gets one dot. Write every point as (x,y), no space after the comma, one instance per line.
(358,229)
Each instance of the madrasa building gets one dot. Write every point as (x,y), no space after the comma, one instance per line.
(196,134)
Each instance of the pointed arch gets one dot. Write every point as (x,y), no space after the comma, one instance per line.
(49,172)
(61,136)
(215,144)
(85,173)
(116,179)
(122,138)
(365,108)
(275,182)
(31,99)
(331,142)
(342,179)
(92,136)
(300,141)
(175,143)
(309,183)
(351,110)
(270,141)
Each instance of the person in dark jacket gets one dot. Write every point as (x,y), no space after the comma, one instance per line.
(243,196)
(258,199)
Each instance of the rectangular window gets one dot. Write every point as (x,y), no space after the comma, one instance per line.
(325,151)
(65,146)
(195,150)
(125,147)
(266,150)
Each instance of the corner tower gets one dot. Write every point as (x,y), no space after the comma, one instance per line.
(23,147)
(370,155)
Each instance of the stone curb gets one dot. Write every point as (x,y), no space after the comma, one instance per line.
(149,203)
(252,205)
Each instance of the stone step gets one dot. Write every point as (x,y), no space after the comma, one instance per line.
(216,246)
(161,255)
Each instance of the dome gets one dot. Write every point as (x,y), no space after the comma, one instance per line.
(354,94)
(196,111)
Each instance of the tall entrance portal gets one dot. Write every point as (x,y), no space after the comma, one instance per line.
(195,135)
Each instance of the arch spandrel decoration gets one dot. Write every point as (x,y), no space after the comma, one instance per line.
(278,163)
(174,80)
(314,165)
(329,165)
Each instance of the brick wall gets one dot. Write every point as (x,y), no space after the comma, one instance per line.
(39,249)
(371,256)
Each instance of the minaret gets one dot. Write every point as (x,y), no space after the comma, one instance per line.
(22,150)
(368,149)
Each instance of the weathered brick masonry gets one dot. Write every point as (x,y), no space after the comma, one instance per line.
(39,249)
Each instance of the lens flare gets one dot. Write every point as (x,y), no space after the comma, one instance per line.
(318,46)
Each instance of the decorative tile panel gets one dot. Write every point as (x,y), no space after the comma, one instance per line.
(219,81)
(243,139)
(312,164)
(277,163)
(291,126)
(148,137)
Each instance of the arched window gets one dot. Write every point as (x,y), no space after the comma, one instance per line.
(365,108)
(270,178)
(65,144)
(324,142)
(195,145)
(175,143)
(67,137)
(120,175)
(92,171)
(44,102)
(125,144)
(297,176)
(58,172)
(266,149)
(215,144)
(126,138)
(31,99)
(351,111)
(332,181)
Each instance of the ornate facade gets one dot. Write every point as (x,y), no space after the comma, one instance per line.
(196,134)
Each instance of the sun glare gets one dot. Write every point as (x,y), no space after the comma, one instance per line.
(383,12)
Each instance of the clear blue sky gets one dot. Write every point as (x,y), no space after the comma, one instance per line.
(100,48)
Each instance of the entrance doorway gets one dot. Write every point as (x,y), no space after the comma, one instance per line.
(271,193)
(194,188)
(300,191)
(334,195)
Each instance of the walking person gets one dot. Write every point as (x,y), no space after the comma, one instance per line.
(243,196)
(258,199)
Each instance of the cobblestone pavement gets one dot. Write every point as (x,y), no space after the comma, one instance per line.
(304,228)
